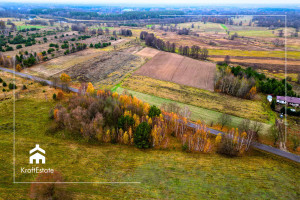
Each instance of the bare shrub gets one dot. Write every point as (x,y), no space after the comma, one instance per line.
(46,191)
(227,147)
(224,120)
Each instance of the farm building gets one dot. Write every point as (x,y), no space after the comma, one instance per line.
(292,101)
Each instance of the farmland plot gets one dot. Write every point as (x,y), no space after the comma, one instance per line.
(148,52)
(57,65)
(179,69)
(106,69)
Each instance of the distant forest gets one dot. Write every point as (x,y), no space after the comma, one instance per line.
(141,15)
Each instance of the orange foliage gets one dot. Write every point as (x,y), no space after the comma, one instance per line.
(90,89)
(252,92)
(100,93)
(65,78)
(55,113)
(60,95)
(18,68)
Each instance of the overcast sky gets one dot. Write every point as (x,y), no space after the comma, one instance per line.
(167,2)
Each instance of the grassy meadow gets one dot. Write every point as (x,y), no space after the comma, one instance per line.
(206,115)
(203,27)
(270,54)
(224,26)
(163,174)
(21,27)
(250,109)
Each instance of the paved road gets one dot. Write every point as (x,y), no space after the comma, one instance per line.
(35,78)
(256,145)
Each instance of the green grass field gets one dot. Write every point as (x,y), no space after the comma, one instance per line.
(254,33)
(224,26)
(203,27)
(29,26)
(273,54)
(164,174)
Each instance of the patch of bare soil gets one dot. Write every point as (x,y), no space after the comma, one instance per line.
(180,69)
(148,52)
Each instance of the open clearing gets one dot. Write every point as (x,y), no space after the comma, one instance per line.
(164,174)
(250,109)
(179,69)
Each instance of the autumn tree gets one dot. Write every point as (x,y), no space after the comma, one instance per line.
(90,88)
(65,78)
(252,92)
(18,68)
(60,95)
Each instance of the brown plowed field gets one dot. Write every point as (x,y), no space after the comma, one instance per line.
(148,52)
(179,69)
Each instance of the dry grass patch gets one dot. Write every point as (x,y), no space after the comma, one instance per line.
(250,109)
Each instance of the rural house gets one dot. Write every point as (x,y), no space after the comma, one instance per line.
(292,101)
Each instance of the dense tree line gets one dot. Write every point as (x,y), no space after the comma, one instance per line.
(195,51)
(265,85)
(157,43)
(136,15)
(238,86)
(19,39)
(133,15)
(100,45)
(279,21)
(245,83)
(125,32)
(38,22)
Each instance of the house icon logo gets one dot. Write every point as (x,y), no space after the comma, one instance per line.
(37,156)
